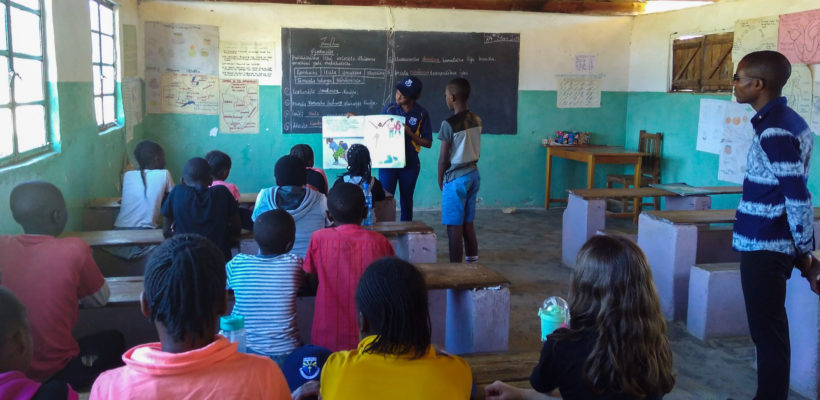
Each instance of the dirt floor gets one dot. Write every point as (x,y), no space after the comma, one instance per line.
(525,246)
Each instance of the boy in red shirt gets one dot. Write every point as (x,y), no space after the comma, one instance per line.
(51,276)
(338,256)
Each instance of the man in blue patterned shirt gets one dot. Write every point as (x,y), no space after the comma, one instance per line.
(774,230)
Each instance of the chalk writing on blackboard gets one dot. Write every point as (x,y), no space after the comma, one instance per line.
(579,91)
(501,37)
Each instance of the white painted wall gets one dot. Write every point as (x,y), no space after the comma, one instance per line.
(653,33)
(548,41)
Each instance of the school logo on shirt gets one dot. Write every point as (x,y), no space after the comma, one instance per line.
(413,121)
(310,368)
(408,82)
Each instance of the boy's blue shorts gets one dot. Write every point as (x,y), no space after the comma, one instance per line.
(458,199)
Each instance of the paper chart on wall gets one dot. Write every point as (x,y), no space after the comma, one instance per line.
(239,106)
(798,91)
(737,139)
(579,91)
(129,51)
(710,125)
(189,94)
(815,109)
(247,60)
(192,49)
(585,63)
(799,37)
(754,35)
(132,105)
(383,135)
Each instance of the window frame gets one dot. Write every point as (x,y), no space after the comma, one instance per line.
(100,65)
(705,45)
(16,156)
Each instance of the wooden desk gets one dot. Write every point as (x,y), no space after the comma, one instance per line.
(674,241)
(469,306)
(127,237)
(585,215)
(591,155)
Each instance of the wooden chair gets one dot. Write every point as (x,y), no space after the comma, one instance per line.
(650,170)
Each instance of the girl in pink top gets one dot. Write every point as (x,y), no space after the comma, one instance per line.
(184,296)
(220,164)
(16,349)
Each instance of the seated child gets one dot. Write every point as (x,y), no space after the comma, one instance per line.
(15,357)
(265,286)
(395,358)
(307,206)
(143,190)
(316,178)
(194,207)
(220,164)
(358,172)
(338,256)
(616,341)
(184,297)
(51,276)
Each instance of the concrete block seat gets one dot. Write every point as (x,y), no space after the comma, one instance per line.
(716,306)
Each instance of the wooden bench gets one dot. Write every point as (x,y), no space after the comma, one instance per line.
(673,241)
(585,214)
(513,368)
(469,309)
(716,307)
(100,213)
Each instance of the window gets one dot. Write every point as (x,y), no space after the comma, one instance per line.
(23,117)
(703,63)
(104,62)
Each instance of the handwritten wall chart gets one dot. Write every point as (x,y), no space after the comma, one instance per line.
(754,35)
(247,60)
(737,139)
(798,91)
(579,91)
(189,94)
(799,37)
(239,106)
(176,49)
(710,125)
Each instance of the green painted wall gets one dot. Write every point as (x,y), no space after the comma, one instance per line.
(512,166)
(86,164)
(676,115)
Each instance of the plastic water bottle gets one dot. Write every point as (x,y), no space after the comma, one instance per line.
(233,328)
(368,200)
(554,312)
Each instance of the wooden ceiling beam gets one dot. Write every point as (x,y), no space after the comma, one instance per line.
(590,7)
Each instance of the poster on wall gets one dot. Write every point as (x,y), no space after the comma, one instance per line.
(579,91)
(180,49)
(738,134)
(189,94)
(815,108)
(754,35)
(711,119)
(383,135)
(799,37)
(129,51)
(247,60)
(131,105)
(239,106)
(798,90)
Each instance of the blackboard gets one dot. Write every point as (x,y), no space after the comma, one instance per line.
(332,72)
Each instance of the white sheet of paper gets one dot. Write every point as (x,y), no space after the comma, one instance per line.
(247,61)
(189,94)
(579,91)
(815,109)
(738,134)
(585,63)
(710,125)
(132,105)
(239,106)
(798,91)
(182,48)
(753,35)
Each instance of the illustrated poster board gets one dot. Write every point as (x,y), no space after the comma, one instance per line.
(383,135)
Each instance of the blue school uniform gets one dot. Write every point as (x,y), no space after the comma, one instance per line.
(419,121)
